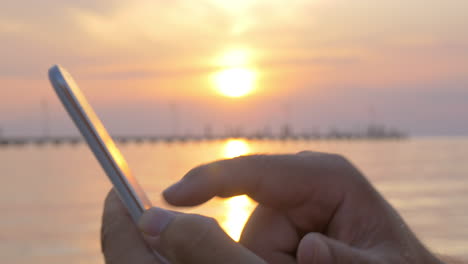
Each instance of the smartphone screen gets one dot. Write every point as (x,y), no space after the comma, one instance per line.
(101,144)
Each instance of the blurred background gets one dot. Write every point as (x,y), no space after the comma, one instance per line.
(179,83)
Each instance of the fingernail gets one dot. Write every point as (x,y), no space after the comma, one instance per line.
(173,188)
(154,221)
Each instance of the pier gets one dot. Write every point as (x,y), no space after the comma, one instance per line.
(74,140)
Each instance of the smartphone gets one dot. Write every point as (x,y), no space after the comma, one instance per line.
(101,144)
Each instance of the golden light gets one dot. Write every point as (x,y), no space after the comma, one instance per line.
(235,148)
(236,78)
(234,58)
(238,210)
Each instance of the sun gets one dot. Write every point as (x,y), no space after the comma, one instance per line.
(236,77)
(235,82)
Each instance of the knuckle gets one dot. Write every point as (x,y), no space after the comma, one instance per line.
(256,162)
(195,172)
(339,162)
(305,153)
(339,158)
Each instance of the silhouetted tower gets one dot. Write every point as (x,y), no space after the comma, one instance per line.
(45,119)
(267,131)
(175,118)
(286,128)
(372,116)
(208,131)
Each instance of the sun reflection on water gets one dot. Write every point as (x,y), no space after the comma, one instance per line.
(235,148)
(238,208)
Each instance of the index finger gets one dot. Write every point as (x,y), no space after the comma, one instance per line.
(273,180)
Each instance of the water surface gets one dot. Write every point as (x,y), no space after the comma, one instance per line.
(51,196)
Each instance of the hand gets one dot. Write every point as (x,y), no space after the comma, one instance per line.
(313,208)
(181,238)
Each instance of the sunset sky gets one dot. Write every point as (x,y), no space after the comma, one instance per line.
(153,66)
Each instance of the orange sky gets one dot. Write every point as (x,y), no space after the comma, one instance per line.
(326,62)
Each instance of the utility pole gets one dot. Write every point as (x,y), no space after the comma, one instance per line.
(45,118)
(372,116)
(208,131)
(175,118)
(286,129)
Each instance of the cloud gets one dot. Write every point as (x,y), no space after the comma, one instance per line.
(187,34)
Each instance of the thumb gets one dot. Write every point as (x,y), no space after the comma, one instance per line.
(315,248)
(191,239)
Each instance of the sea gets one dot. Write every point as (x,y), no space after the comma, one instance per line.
(51,196)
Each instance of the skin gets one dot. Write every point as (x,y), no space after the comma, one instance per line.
(313,208)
